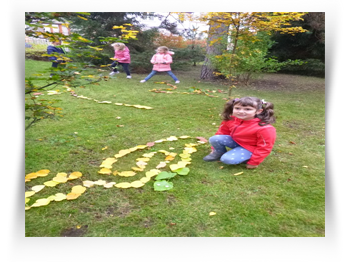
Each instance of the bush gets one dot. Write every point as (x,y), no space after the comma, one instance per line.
(310,67)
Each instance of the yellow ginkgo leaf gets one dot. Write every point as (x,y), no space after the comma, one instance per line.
(137,184)
(37,188)
(51,183)
(31,176)
(137,169)
(152,173)
(212,214)
(75,175)
(141,146)
(119,104)
(29,193)
(175,167)
(183,137)
(72,196)
(109,185)
(144,159)
(100,182)
(60,179)
(61,174)
(141,164)
(164,152)
(105,171)
(169,158)
(78,189)
(161,165)
(184,155)
(172,138)
(60,197)
(51,198)
(145,179)
(105,146)
(123,185)
(43,173)
(41,202)
(115,173)
(27,200)
(127,173)
(237,174)
(160,141)
(27,208)
(149,155)
(88,183)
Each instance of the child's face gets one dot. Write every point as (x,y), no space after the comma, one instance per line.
(245,112)
(161,51)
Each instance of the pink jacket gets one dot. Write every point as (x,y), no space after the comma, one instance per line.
(123,56)
(158,61)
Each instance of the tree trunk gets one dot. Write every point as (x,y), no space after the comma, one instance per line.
(216,32)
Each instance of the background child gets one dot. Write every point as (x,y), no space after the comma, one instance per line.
(161,63)
(51,50)
(246,129)
(122,54)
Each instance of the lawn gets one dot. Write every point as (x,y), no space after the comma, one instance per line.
(283,197)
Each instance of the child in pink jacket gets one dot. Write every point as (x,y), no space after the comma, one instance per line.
(161,63)
(122,56)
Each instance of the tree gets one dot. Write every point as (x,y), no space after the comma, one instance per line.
(214,45)
(76,69)
(242,30)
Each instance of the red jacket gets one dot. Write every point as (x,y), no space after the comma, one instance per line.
(247,133)
(158,60)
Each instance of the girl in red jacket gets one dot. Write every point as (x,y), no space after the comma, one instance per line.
(246,129)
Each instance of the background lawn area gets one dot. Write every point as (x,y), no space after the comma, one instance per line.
(285,196)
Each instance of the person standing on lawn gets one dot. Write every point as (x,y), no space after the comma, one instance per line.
(161,63)
(55,49)
(246,129)
(122,56)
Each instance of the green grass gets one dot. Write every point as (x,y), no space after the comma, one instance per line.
(285,196)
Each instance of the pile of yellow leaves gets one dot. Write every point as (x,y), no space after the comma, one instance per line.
(107,169)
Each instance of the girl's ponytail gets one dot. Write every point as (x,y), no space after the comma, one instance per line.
(267,115)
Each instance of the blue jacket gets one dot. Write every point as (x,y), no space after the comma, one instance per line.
(53,49)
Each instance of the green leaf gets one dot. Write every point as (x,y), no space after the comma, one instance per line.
(162,185)
(182,171)
(165,175)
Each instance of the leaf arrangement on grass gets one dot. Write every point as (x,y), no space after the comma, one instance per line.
(191,90)
(161,177)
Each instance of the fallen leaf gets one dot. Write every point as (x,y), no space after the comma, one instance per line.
(37,188)
(137,184)
(43,173)
(145,179)
(60,179)
(72,196)
(104,148)
(137,169)
(237,174)
(51,183)
(109,185)
(169,158)
(212,214)
(182,171)
(78,189)
(60,197)
(161,165)
(127,173)
(88,183)
(162,185)
(100,182)
(41,202)
(105,171)
(202,139)
(165,175)
(61,174)
(123,185)
(75,175)
(29,193)
(150,144)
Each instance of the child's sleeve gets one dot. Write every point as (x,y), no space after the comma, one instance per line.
(168,59)
(223,129)
(265,141)
(153,59)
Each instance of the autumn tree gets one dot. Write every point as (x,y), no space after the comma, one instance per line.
(242,28)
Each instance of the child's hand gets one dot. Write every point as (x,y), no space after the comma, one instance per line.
(251,167)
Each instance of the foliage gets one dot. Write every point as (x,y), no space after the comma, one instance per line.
(250,58)
(75,67)
(244,40)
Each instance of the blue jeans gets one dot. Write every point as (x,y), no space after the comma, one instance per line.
(155,72)
(235,156)
(124,65)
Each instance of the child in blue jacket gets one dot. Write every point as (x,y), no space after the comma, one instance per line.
(52,49)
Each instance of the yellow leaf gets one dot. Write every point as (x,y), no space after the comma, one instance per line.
(109,185)
(185,155)
(172,138)
(27,208)
(72,196)
(141,146)
(51,183)
(29,193)
(31,176)
(137,169)
(141,164)
(169,158)
(60,197)
(41,202)
(123,185)
(152,173)
(105,171)
(145,179)
(43,173)
(100,182)
(60,179)
(61,175)
(37,188)
(127,173)
(183,137)
(149,155)
(161,165)
(75,175)
(104,147)
(88,183)
(27,200)
(212,214)
(143,159)
(237,174)
(164,152)
(137,184)
(78,189)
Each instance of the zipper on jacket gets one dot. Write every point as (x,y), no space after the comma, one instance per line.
(237,127)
